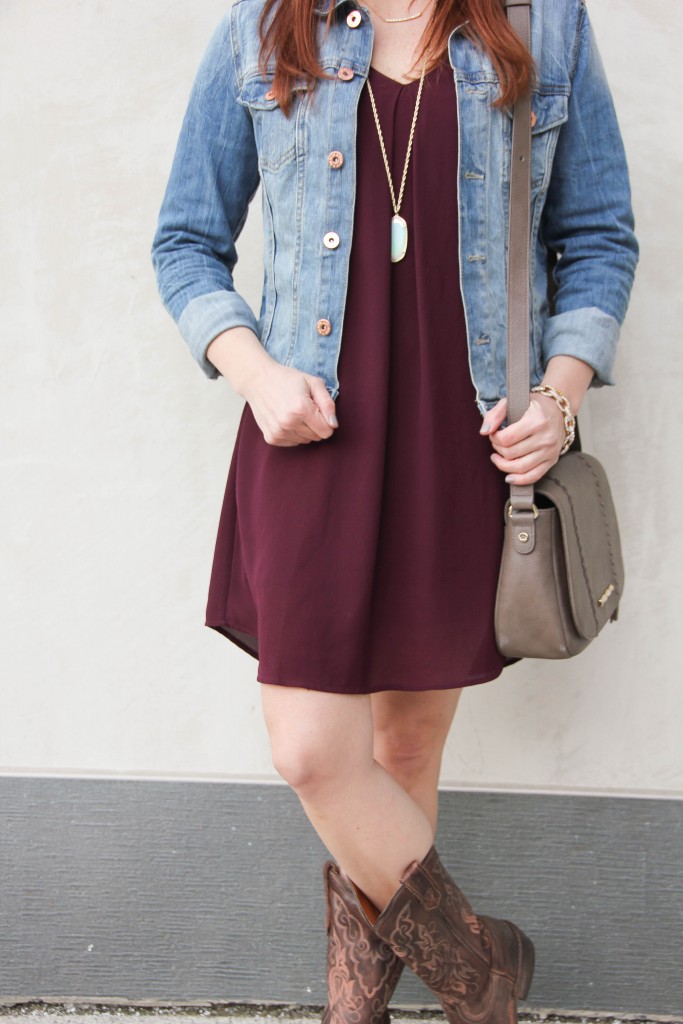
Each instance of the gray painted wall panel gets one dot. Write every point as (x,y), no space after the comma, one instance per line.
(184,890)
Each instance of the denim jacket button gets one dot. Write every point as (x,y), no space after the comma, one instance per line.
(331,240)
(346,74)
(270,95)
(353,19)
(335,159)
(323,327)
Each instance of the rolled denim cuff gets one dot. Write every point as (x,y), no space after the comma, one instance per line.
(588,334)
(209,315)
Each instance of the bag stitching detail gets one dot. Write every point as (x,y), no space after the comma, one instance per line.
(578,541)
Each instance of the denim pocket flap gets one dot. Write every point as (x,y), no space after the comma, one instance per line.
(548,111)
(279,137)
(256,92)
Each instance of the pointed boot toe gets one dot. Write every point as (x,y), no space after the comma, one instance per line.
(478,967)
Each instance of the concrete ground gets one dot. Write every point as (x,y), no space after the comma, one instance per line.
(83,1013)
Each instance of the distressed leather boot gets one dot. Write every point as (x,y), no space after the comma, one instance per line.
(362,970)
(477,966)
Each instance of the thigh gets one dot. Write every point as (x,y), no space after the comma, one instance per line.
(310,725)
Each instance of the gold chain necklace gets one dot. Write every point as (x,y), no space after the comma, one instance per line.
(391,21)
(399,227)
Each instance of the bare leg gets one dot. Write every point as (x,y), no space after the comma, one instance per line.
(368,787)
(322,745)
(410,730)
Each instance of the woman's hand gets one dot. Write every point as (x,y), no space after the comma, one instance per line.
(527,449)
(289,406)
(530,447)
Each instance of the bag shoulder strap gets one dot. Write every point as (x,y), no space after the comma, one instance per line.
(517,363)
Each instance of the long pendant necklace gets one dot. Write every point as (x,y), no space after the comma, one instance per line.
(399,227)
(393,21)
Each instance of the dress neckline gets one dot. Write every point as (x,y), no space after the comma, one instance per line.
(394,81)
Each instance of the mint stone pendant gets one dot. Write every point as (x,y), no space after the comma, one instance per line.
(399,238)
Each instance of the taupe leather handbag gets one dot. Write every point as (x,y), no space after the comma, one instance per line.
(561,575)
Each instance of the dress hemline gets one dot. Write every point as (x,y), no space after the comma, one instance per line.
(235,634)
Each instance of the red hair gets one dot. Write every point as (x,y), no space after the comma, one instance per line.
(291,40)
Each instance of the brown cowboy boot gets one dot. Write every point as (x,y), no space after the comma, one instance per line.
(477,966)
(362,971)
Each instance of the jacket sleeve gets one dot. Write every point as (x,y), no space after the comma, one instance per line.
(588,221)
(213,179)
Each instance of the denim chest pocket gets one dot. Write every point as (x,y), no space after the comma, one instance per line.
(549,111)
(279,139)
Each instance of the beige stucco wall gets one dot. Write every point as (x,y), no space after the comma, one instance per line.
(115,448)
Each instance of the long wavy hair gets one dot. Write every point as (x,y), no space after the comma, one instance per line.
(291,41)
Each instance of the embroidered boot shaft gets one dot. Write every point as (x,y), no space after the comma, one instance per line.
(362,970)
(477,966)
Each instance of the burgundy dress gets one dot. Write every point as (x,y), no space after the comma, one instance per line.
(369,561)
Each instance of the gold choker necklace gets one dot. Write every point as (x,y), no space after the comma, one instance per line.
(389,21)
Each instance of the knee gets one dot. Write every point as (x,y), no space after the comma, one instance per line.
(320,743)
(409,751)
(303,765)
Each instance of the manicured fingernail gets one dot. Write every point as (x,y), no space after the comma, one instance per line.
(332,420)
(485,429)
(508,479)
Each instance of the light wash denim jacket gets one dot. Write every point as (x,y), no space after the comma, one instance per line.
(234,136)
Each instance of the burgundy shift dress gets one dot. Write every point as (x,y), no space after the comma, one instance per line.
(369,561)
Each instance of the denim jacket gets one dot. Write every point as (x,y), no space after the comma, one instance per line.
(234,136)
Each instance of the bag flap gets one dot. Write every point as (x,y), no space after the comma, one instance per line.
(577,486)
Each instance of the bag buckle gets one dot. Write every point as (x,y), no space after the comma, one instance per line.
(533,509)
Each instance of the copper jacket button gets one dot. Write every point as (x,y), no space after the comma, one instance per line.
(346,74)
(323,327)
(331,240)
(335,159)
(270,95)
(353,19)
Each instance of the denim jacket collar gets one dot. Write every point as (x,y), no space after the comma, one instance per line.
(323,6)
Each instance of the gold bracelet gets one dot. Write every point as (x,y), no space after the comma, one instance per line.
(566,410)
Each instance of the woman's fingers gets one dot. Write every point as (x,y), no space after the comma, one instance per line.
(292,430)
(323,400)
(515,451)
(531,477)
(543,439)
(527,449)
(311,423)
(494,417)
(291,407)
(525,464)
